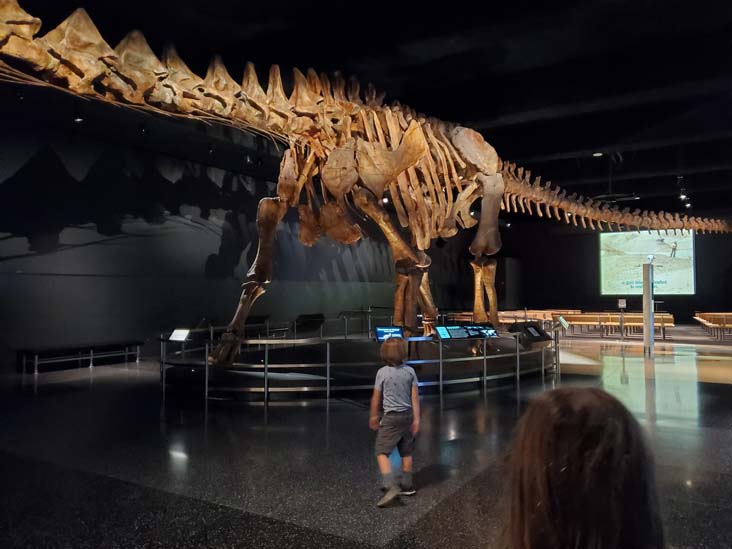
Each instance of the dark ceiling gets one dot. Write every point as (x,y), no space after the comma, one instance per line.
(647,83)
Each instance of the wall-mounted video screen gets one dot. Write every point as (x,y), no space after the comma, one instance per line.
(622,256)
(467,331)
(385,332)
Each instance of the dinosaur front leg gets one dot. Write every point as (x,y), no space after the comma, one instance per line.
(269,213)
(427,304)
(402,281)
(405,313)
(409,293)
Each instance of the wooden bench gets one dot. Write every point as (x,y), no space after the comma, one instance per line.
(76,353)
(509,317)
(608,323)
(717,324)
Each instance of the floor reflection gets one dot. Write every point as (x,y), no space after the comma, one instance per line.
(665,388)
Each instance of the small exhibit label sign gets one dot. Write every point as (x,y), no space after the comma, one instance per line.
(179,335)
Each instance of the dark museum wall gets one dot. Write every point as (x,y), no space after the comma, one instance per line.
(560,267)
(105,236)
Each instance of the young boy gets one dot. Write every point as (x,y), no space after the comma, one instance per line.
(396,391)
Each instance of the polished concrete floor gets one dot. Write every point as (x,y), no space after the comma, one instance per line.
(94,459)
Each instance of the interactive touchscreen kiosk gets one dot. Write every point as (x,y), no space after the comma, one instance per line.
(531,334)
(466,331)
(385,332)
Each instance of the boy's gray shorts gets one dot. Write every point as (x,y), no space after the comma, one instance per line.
(395,431)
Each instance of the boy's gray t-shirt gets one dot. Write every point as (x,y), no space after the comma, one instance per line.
(395,384)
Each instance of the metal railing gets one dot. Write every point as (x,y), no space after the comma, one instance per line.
(124,351)
(266,367)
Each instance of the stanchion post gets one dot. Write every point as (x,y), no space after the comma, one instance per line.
(327,370)
(369,321)
(485,360)
(91,358)
(137,355)
(163,352)
(161,356)
(205,365)
(35,364)
(542,363)
(266,373)
(345,327)
(440,344)
(622,324)
(518,362)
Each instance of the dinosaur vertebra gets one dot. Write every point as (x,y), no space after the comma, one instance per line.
(357,149)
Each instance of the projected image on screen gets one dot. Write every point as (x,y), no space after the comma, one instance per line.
(622,256)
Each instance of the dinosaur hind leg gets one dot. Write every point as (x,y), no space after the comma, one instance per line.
(489,284)
(269,213)
(479,314)
(407,297)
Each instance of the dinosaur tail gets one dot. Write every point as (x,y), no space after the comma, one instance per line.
(522,195)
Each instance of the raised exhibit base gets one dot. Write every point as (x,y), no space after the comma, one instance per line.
(336,366)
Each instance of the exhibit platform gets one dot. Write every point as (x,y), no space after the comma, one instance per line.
(284,368)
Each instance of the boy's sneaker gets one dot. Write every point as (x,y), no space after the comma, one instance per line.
(407,490)
(390,495)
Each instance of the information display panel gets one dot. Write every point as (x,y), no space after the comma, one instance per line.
(179,335)
(466,331)
(385,332)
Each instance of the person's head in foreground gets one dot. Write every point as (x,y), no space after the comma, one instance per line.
(394,351)
(581,476)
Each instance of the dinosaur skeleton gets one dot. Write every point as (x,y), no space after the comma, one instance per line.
(354,148)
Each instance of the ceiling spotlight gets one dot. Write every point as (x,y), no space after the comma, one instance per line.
(385,200)
(597,154)
(636,197)
(508,224)
(682,196)
(78,119)
(688,204)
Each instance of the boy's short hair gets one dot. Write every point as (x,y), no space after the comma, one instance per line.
(394,351)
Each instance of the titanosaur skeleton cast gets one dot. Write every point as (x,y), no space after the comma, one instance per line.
(347,152)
